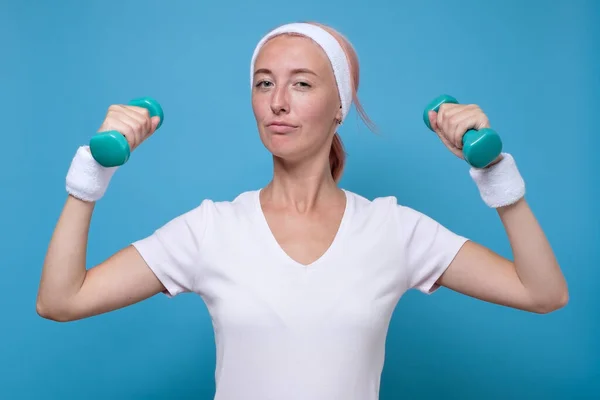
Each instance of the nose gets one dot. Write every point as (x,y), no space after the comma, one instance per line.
(279,100)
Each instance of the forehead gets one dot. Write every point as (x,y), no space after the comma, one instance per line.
(293,51)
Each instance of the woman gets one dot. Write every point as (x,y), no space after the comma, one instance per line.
(300,277)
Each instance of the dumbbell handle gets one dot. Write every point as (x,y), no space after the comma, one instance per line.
(480,147)
(110,148)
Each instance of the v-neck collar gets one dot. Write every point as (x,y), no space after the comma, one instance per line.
(264,225)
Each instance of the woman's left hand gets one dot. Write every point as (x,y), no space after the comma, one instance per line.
(452,121)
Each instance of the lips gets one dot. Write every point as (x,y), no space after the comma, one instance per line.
(281,127)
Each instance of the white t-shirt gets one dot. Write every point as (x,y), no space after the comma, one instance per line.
(285,331)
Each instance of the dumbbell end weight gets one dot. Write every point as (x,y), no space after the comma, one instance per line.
(110,148)
(152,106)
(480,147)
(434,105)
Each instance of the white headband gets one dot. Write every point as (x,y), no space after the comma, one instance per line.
(335,53)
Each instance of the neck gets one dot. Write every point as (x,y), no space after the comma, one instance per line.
(301,186)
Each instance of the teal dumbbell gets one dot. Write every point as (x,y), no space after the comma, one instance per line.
(110,148)
(480,147)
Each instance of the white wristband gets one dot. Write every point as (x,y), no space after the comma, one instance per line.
(500,184)
(87,180)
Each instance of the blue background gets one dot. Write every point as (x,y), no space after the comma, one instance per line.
(533,66)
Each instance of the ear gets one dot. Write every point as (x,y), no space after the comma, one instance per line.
(338,115)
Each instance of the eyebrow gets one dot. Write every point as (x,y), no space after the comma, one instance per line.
(294,71)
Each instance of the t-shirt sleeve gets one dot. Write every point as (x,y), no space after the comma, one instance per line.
(429,248)
(173,251)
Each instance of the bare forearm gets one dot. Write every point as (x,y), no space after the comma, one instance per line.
(64,268)
(534,258)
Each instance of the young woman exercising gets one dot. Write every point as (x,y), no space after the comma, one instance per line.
(300,277)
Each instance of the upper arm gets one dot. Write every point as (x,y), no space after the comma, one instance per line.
(435,256)
(479,272)
(166,261)
(123,279)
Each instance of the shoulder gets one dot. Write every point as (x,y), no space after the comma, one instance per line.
(388,210)
(361,203)
(384,206)
(210,211)
(375,217)
(242,204)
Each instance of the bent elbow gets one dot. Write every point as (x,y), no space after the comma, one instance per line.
(51,313)
(560,301)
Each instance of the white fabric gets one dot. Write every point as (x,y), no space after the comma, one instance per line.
(500,184)
(333,50)
(86,179)
(294,332)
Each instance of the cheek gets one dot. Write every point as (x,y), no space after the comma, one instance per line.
(260,109)
(313,109)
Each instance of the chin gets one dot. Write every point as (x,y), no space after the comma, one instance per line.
(289,152)
(286,147)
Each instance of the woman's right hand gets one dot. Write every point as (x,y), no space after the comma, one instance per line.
(68,290)
(132,122)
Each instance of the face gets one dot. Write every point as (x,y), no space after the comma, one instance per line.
(295,98)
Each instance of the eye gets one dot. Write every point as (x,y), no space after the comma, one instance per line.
(303,84)
(262,83)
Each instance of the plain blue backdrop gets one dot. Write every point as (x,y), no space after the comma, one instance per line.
(533,66)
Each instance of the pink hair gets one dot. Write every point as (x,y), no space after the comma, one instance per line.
(337,155)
